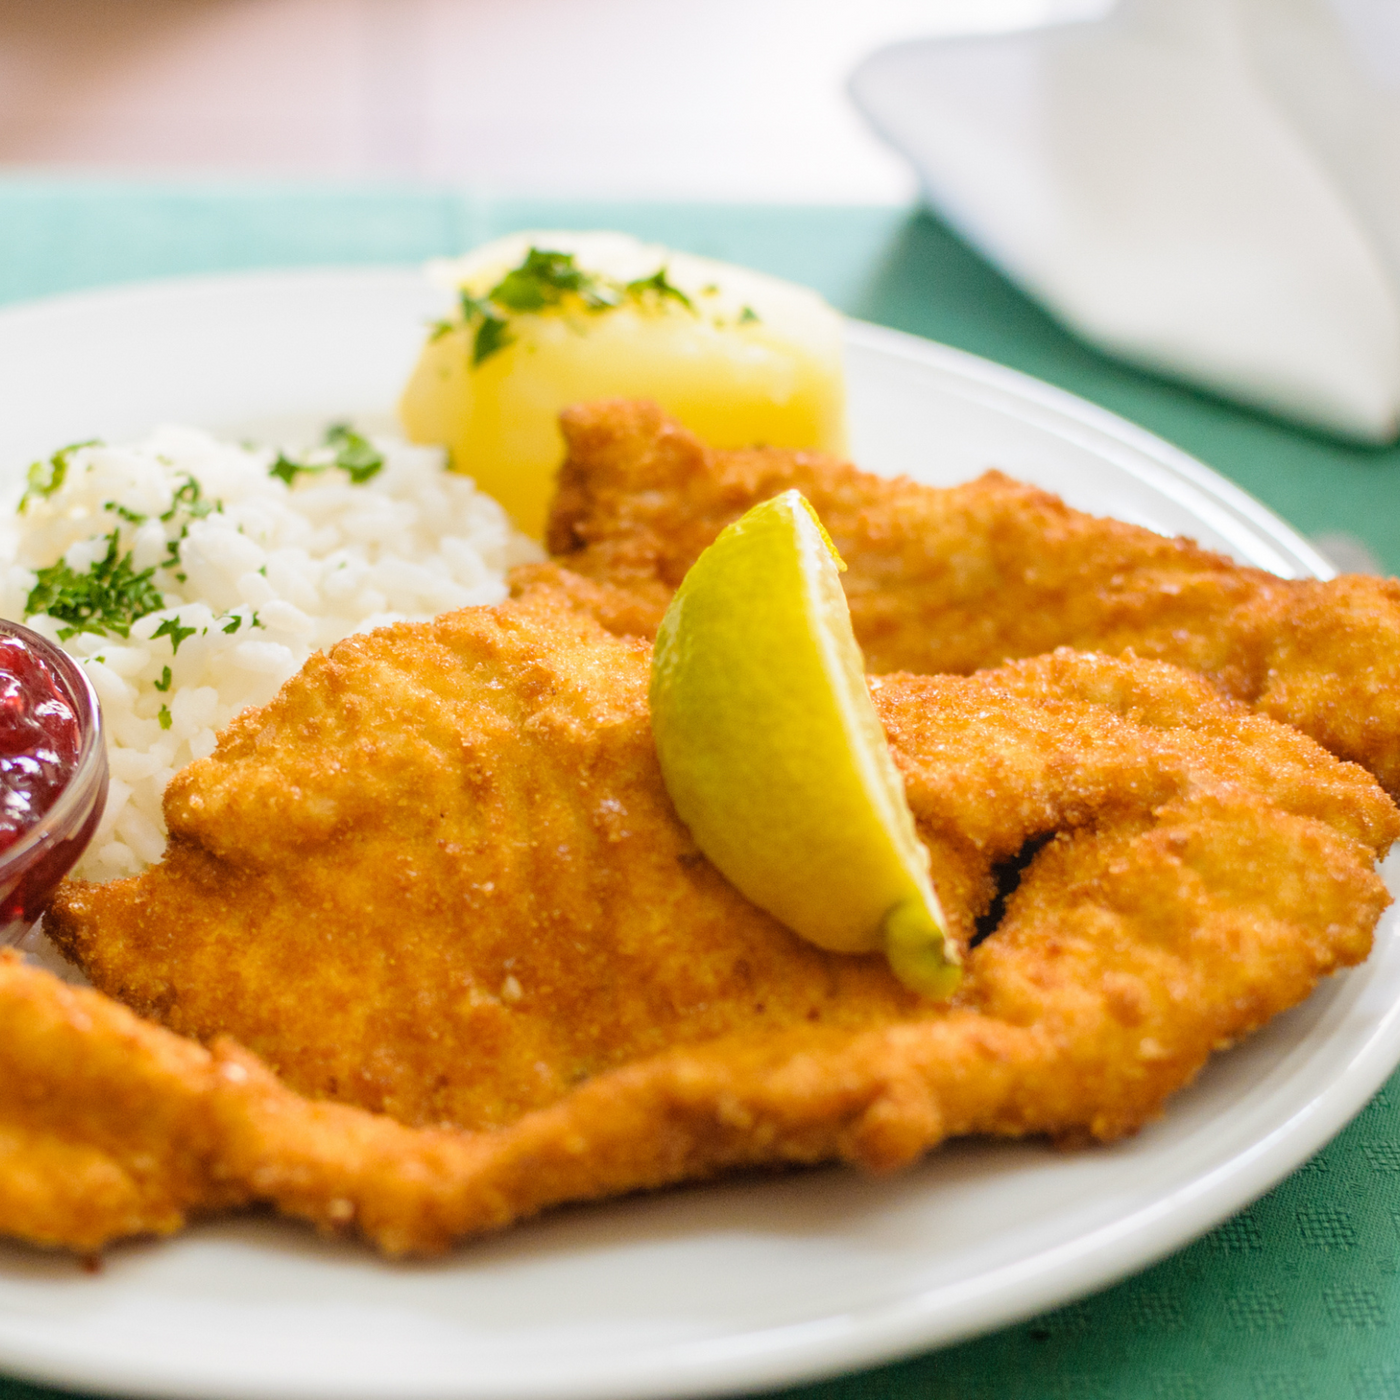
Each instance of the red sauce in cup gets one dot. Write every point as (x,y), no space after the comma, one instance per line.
(39,739)
(53,773)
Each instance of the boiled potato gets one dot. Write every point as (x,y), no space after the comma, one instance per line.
(553,319)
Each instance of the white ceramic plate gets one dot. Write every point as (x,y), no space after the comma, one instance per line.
(757,1282)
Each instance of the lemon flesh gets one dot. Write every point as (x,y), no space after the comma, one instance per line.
(751,359)
(773,754)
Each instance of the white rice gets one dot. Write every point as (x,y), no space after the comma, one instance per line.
(272,574)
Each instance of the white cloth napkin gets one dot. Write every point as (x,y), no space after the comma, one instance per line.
(1210,188)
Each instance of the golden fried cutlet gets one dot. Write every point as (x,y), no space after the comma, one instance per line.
(111,1127)
(954,580)
(439,877)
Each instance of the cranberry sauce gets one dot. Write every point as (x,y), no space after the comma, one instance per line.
(40,735)
(53,773)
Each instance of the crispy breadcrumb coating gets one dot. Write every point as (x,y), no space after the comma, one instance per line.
(955,580)
(439,878)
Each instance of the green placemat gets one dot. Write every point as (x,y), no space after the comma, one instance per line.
(1298,1297)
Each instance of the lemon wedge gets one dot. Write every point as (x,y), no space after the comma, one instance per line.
(773,754)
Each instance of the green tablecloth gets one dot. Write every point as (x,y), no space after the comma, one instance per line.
(1297,1297)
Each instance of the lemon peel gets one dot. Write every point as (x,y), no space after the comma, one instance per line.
(773,754)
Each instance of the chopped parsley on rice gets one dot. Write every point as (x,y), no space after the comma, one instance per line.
(193,576)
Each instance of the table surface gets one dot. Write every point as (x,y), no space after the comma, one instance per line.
(1298,1296)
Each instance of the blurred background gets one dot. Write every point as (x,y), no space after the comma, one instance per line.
(633,99)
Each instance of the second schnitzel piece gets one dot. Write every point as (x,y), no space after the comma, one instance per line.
(957,579)
(439,877)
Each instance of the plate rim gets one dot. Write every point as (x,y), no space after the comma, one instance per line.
(1001,382)
(884,1332)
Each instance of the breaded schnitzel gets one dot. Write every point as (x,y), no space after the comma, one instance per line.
(953,580)
(439,877)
